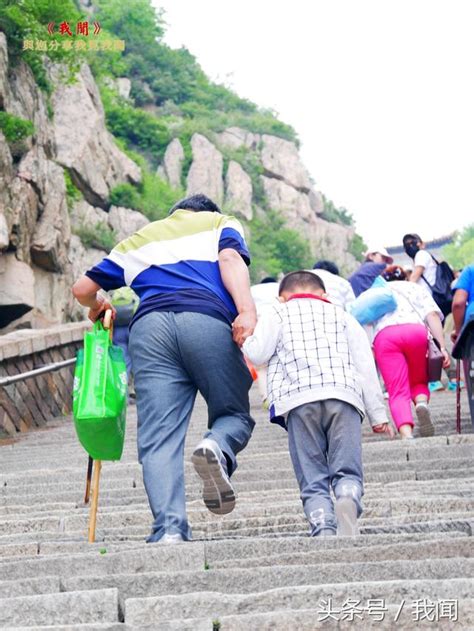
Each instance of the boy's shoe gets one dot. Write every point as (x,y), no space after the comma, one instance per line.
(210,465)
(425,425)
(434,386)
(346,514)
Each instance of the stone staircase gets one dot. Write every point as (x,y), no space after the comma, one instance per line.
(412,564)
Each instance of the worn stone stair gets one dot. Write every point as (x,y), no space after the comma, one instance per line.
(253,569)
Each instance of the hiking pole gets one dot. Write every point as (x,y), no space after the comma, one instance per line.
(95,501)
(88,480)
(98,463)
(458,396)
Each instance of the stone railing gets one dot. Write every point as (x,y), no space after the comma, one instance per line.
(31,402)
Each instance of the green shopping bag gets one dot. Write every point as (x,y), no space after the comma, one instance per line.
(100,395)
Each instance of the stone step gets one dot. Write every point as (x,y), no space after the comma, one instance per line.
(231,580)
(362,615)
(63,608)
(149,611)
(242,550)
(29,586)
(189,556)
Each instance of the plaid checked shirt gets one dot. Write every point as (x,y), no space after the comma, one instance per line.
(315,351)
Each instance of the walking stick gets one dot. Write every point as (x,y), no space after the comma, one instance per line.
(458,396)
(88,480)
(98,463)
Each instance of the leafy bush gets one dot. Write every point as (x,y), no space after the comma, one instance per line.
(357,247)
(274,248)
(137,127)
(336,215)
(15,128)
(461,252)
(125,195)
(28,20)
(153,196)
(73,194)
(100,236)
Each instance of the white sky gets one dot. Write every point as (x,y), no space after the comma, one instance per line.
(380,92)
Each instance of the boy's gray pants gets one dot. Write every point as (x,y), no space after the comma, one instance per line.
(325,441)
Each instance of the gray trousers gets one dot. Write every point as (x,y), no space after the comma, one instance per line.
(325,441)
(174,356)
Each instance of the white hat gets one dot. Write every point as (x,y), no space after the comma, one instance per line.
(381,250)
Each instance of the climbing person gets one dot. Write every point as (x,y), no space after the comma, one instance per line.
(376,260)
(190,272)
(463,332)
(400,345)
(321,382)
(434,277)
(339,290)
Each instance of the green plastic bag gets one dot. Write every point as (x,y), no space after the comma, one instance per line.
(100,395)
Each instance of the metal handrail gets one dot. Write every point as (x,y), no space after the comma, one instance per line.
(6,381)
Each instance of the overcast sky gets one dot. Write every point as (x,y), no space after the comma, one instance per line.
(380,92)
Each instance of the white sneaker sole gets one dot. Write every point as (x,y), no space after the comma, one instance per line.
(346,515)
(425,424)
(217,493)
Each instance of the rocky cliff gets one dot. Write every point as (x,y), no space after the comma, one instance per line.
(40,250)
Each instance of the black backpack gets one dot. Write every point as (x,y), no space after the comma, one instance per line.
(441,290)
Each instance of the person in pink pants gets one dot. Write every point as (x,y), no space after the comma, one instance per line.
(400,347)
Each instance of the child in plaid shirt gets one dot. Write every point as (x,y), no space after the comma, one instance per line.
(321,382)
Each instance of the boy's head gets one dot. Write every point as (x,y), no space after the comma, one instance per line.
(301,282)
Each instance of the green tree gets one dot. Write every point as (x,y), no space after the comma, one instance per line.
(461,252)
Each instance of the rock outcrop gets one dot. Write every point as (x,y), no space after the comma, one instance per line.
(171,168)
(238,191)
(205,174)
(38,258)
(84,146)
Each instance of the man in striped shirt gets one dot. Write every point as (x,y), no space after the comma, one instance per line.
(190,273)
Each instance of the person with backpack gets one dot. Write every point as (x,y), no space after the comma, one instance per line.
(433,275)
(125,301)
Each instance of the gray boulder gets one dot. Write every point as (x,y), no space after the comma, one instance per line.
(236,137)
(50,239)
(281,160)
(83,143)
(124,222)
(172,166)
(17,295)
(292,203)
(238,191)
(205,174)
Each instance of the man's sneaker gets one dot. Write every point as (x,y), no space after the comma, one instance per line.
(434,386)
(210,465)
(425,425)
(171,538)
(346,514)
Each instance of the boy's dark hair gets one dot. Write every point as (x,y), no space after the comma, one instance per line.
(411,237)
(268,279)
(301,278)
(198,203)
(329,266)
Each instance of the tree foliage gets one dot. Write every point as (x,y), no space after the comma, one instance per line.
(461,252)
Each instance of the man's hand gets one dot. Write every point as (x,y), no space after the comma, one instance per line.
(454,336)
(102,305)
(243,326)
(384,428)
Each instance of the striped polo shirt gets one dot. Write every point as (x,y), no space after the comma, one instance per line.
(172,264)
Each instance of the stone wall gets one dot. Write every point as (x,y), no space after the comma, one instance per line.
(30,403)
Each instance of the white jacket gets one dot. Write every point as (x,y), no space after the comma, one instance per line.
(316,351)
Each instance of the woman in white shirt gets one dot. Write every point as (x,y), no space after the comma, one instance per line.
(400,347)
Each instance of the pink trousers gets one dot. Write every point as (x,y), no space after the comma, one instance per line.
(400,353)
